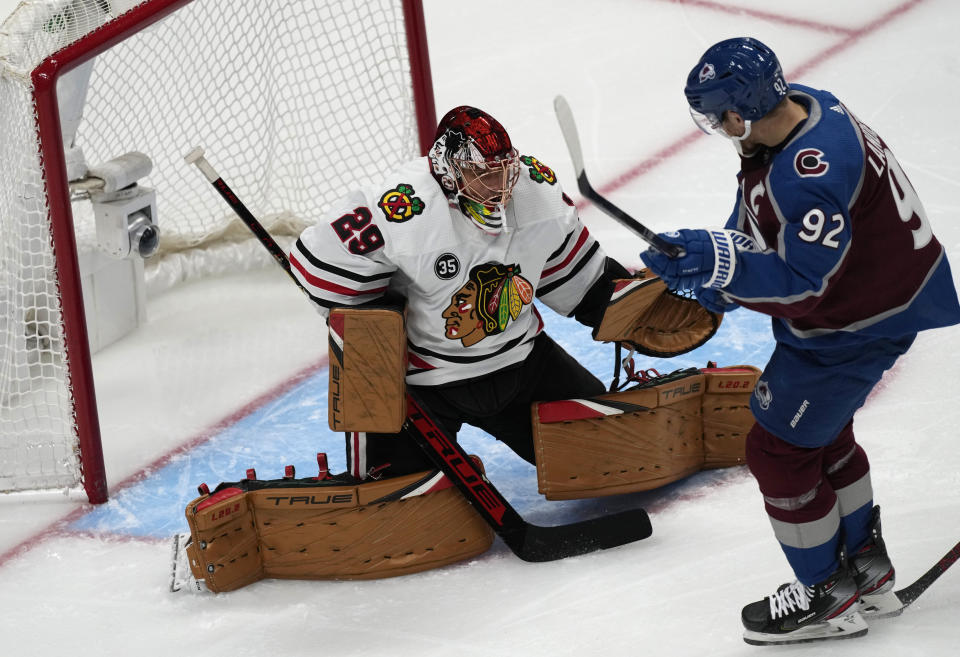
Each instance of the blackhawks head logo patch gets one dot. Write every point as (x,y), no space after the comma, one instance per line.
(493,295)
(538,170)
(400,204)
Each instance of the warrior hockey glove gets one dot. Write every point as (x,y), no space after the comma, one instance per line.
(709,261)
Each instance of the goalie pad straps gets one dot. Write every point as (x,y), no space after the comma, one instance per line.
(330,529)
(647,316)
(644,437)
(368,364)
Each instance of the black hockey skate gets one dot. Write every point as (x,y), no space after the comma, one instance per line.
(799,614)
(875,575)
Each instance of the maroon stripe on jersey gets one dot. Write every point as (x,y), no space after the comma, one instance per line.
(322,284)
(584,235)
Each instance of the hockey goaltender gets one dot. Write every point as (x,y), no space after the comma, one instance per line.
(427,281)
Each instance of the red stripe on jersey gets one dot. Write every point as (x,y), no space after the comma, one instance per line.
(584,234)
(322,284)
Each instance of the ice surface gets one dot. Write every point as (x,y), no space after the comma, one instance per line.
(230,374)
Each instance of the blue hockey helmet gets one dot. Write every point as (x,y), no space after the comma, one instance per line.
(739,74)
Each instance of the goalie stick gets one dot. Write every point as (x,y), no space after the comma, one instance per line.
(569,129)
(529,542)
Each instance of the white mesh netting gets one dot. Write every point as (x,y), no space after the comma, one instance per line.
(293,102)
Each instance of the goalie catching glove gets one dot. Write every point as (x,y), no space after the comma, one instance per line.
(646,316)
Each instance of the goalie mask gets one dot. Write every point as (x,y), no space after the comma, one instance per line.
(476,164)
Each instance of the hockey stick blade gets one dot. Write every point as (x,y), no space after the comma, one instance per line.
(908,594)
(569,129)
(529,542)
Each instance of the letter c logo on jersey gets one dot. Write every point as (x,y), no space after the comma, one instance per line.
(810,163)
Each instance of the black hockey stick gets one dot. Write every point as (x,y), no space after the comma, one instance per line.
(908,594)
(569,129)
(196,157)
(527,541)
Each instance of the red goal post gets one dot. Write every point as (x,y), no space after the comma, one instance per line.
(299,100)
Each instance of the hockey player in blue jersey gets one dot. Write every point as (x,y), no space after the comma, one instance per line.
(829,238)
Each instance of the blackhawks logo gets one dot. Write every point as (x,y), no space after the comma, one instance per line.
(539,171)
(400,204)
(493,295)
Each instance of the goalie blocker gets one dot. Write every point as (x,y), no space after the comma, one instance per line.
(655,433)
(368,363)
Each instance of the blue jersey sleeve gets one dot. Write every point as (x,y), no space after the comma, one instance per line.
(804,225)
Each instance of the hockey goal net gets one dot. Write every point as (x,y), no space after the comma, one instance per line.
(298,100)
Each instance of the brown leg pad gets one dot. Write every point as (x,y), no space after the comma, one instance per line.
(638,449)
(377,540)
(726,415)
(331,530)
(646,437)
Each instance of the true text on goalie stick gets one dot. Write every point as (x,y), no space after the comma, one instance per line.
(529,542)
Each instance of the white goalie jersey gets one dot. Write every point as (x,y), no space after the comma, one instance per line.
(469,294)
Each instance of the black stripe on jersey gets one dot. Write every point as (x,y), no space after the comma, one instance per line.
(469,359)
(563,247)
(547,289)
(345,273)
(321,301)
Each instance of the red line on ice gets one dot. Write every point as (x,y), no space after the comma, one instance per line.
(850,38)
(766,15)
(59,527)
